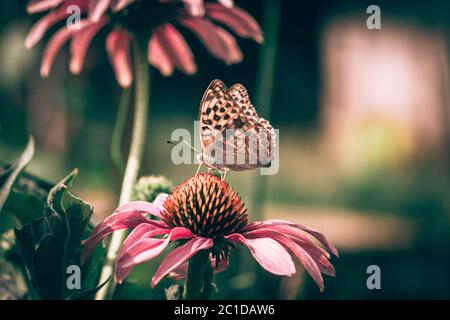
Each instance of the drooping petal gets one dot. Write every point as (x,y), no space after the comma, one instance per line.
(181,272)
(127,216)
(319,255)
(142,231)
(121,4)
(176,48)
(219,42)
(238,20)
(151,245)
(180,255)
(80,44)
(324,265)
(159,201)
(292,232)
(139,246)
(118,48)
(195,7)
(268,253)
(227,3)
(153,209)
(54,46)
(40,28)
(35,6)
(144,250)
(157,57)
(97,9)
(276,222)
(303,256)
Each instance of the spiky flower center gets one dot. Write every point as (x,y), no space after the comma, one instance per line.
(207,206)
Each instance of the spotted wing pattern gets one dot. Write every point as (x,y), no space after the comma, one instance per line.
(233,137)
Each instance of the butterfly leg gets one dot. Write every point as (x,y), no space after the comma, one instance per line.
(198,169)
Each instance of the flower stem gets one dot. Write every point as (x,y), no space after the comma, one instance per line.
(199,277)
(264,88)
(119,126)
(142,82)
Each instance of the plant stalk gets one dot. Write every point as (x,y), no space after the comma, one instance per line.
(119,126)
(264,88)
(199,277)
(142,82)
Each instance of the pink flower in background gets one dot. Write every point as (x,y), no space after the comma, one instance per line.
(167,47)
(204,213)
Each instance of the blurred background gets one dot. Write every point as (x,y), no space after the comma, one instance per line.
(364,137)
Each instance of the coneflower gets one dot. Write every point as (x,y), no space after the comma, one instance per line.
(153,22)
(206,219)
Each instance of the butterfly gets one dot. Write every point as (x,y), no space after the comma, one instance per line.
(232,135)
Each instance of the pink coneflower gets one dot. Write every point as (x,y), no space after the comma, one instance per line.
(152,20)
(203,215)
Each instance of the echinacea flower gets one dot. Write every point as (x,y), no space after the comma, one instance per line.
(204,213)
(154,20)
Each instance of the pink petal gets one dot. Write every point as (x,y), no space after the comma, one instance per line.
(138,241)
(35,6)
(176,48)
(118,48)
(153,209)
(275,222)
(53,47)
(219,42)
(144,249)
(142,231)
(319,255)
(127,216)
(181,272)
(195,7)
(122,4)
(157,57)
(159,201)
(80,44)
(227,3)
(97,9)
(40,28)
(180,255)
(269,254)
(303,256)
(237,20)
(286,230)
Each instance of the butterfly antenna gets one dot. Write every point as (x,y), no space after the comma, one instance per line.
(198,170)
(190,146)
(186,143)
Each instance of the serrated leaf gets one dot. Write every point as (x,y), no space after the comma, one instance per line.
(53,242)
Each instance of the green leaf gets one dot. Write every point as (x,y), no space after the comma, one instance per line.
(88,293)
(94,267)
(51,243)
(9,177)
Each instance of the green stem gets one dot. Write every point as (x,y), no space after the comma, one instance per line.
(264,91)
(142,82)
(119,126)
(264,87)
(199,277)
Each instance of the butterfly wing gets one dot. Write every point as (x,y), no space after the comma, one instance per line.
(216,110)
(261,130)
(241,97)
(231,131)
